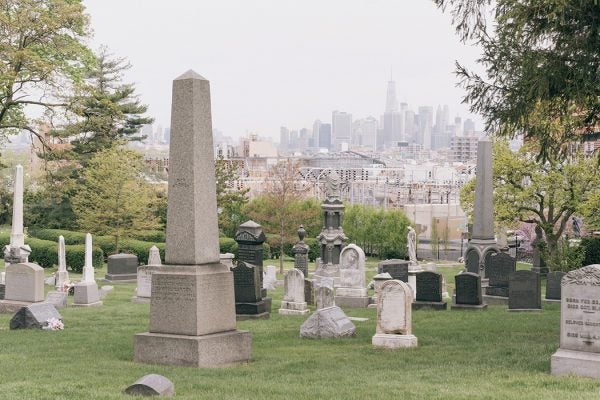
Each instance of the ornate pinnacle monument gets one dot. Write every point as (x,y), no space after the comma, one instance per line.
(332,236)
(17,251)
(483,242)
(192,311)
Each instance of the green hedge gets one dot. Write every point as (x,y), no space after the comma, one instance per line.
(592,250)
(45,254)
(228,245)
(150,236)
(75,255)
(71,237)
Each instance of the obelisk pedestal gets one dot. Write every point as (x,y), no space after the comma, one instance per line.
(192,309)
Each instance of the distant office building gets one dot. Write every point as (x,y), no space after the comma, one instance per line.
(425,125)
(410,126)
(393,124)
(325,136)
(315,134)
(341,128)
(365,131)
(468,127)
(284,139)
(464,148)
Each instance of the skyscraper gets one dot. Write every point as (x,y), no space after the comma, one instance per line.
(341,129)
(315,134)
(325,136)
(284,139)
(425,120)
(392,118)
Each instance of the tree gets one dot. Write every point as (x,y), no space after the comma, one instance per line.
(114,198)
(282,191)
(103,111)
(230,201)
(42,55)
(541,64)
(546,193)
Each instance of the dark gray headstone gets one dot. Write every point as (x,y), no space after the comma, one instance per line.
(152,385)
(57,299)
(2,290)
(34,316)
(468,289)
(498,272)
(525,291)
(309,293)
(246,280)
(553,291)
(250,238)
(473,261)
(429,286)
(121,267)
(398,269)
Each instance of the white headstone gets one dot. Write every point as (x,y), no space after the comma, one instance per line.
(88,268)
(270,277)
(154,257)
(352,291)
(324,293)
(394,316)
(293,298)
(579,352)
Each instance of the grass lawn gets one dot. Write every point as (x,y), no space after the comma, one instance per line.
(461,355)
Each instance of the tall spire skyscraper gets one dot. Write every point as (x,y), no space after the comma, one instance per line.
(391,102)
(392,118)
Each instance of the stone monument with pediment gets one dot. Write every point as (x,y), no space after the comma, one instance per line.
(352,290)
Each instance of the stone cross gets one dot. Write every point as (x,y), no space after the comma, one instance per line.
(192,231)
(88,268)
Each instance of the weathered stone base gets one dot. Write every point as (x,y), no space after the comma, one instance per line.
(578,363)
(351,292)
(474,307)
(252,308)
(352,302)
(495,300)
(208,351)
(140,300)
(12,306)
(390,341)
(116,278)
(434,305)
(524,309)
(2,290)
(292,308)
(96,304)
(244,317)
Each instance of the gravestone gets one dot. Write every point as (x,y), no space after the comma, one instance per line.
(429,291)
(24,283)
(122,268)
(309,292)
(227,259)
(394,316)
(352,292)
(154,257)
(324,293)
(250,239)
(2,290)
(500,267)
(143,292)
(300,251)
(525,291)
(472,261)
(62,275)
(398,269)
(553,288)
(249,303)
(579,352)
(34,316)
(86,292)
(270,277)
(57,299)
(468,292)
(152,385)
(293,298)
(327,323)
(378,281)
(192,312)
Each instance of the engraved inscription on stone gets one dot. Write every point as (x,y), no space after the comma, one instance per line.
(173,288)
(468,288)
(429,286)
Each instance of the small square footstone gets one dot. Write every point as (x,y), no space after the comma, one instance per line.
(525,291)
(429,291)
(553,291)
(327,323)
(468,292)
(579,352)
(152,385)
(34,316)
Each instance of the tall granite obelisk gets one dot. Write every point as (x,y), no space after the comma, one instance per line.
(192,310)
(483,242)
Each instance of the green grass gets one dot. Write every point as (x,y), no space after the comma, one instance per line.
(461,355)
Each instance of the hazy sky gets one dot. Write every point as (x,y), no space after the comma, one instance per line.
(285,62)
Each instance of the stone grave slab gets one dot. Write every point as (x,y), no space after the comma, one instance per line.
(398,269)
(57,299)
(468,292)
(122,268)
(429,291)
(553,288)
(394,316)
(327,323)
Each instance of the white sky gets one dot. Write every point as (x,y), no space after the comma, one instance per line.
(286,62)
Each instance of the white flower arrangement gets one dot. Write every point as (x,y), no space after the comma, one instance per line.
(54,324)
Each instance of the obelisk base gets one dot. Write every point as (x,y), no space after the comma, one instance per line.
(222,349)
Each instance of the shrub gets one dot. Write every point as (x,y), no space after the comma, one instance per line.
(45,254)
(228,245)
(141,249)
(4,240)
(591,246)
(315,249)
(150,236)
(75,255)
(71,237)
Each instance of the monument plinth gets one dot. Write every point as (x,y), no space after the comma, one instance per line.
(192,308)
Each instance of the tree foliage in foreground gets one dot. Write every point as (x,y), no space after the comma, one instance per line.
(114,198)
(542,67)
(42,55)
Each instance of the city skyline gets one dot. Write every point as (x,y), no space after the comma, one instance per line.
(282,63)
